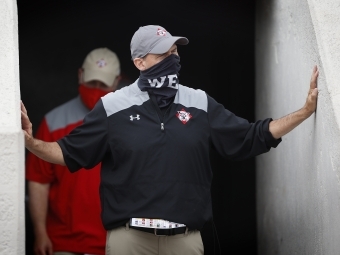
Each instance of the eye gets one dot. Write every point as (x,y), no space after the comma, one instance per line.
(161,55)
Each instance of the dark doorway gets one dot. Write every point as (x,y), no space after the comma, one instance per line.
(55,36)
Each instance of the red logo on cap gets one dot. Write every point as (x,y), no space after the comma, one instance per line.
(161,32)
(101,63)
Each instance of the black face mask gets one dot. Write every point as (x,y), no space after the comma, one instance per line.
(162,80)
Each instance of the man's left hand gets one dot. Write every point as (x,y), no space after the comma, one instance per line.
(310,105)
(282,126)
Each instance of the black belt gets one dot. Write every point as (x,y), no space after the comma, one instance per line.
(162,232)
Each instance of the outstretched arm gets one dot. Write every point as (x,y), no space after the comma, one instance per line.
(48,151)
(284,125)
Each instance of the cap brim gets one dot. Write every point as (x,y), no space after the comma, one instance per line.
(107,78)
(166,44)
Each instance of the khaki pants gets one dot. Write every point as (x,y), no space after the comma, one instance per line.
(125,240)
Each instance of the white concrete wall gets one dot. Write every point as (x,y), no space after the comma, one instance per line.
(298,189)
(12,212)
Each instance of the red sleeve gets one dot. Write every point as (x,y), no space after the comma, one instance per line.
(37,169)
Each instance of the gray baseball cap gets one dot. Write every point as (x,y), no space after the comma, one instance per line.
(153,39)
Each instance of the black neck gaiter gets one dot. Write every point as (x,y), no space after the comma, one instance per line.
(162,80)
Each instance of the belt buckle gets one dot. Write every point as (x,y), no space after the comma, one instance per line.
(155,232)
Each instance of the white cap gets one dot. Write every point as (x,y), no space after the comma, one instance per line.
(101,64)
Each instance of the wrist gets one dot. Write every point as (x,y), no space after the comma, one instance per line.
(29,142)
(40,231)
(306,112)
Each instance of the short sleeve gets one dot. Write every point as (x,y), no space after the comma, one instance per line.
(236,138)
(87,144)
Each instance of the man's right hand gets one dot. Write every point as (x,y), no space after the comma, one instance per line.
(43,245)
(26,124)
(48,151)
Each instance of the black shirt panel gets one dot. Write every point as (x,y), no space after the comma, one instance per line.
(159,169)
(234,137)
(87,144)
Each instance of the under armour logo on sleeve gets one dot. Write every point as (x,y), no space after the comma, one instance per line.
(132,118)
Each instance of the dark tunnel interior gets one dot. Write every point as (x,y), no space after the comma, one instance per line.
(55,36)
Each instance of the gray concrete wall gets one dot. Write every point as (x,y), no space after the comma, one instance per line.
(12,212)
(298,191)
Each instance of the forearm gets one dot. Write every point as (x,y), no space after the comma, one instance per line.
(284,125)
(38,205)
(48,151)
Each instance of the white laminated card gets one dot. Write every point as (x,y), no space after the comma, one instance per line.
(154,223)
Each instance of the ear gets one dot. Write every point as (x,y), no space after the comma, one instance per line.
(118,79)
(139,63)
(80,75)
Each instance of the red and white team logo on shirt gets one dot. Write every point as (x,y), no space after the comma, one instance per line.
(101,63)
(161,32)
(183,116)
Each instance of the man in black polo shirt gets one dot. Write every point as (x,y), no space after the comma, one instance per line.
(153,139)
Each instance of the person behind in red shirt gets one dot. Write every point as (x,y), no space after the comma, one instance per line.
(65,207)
